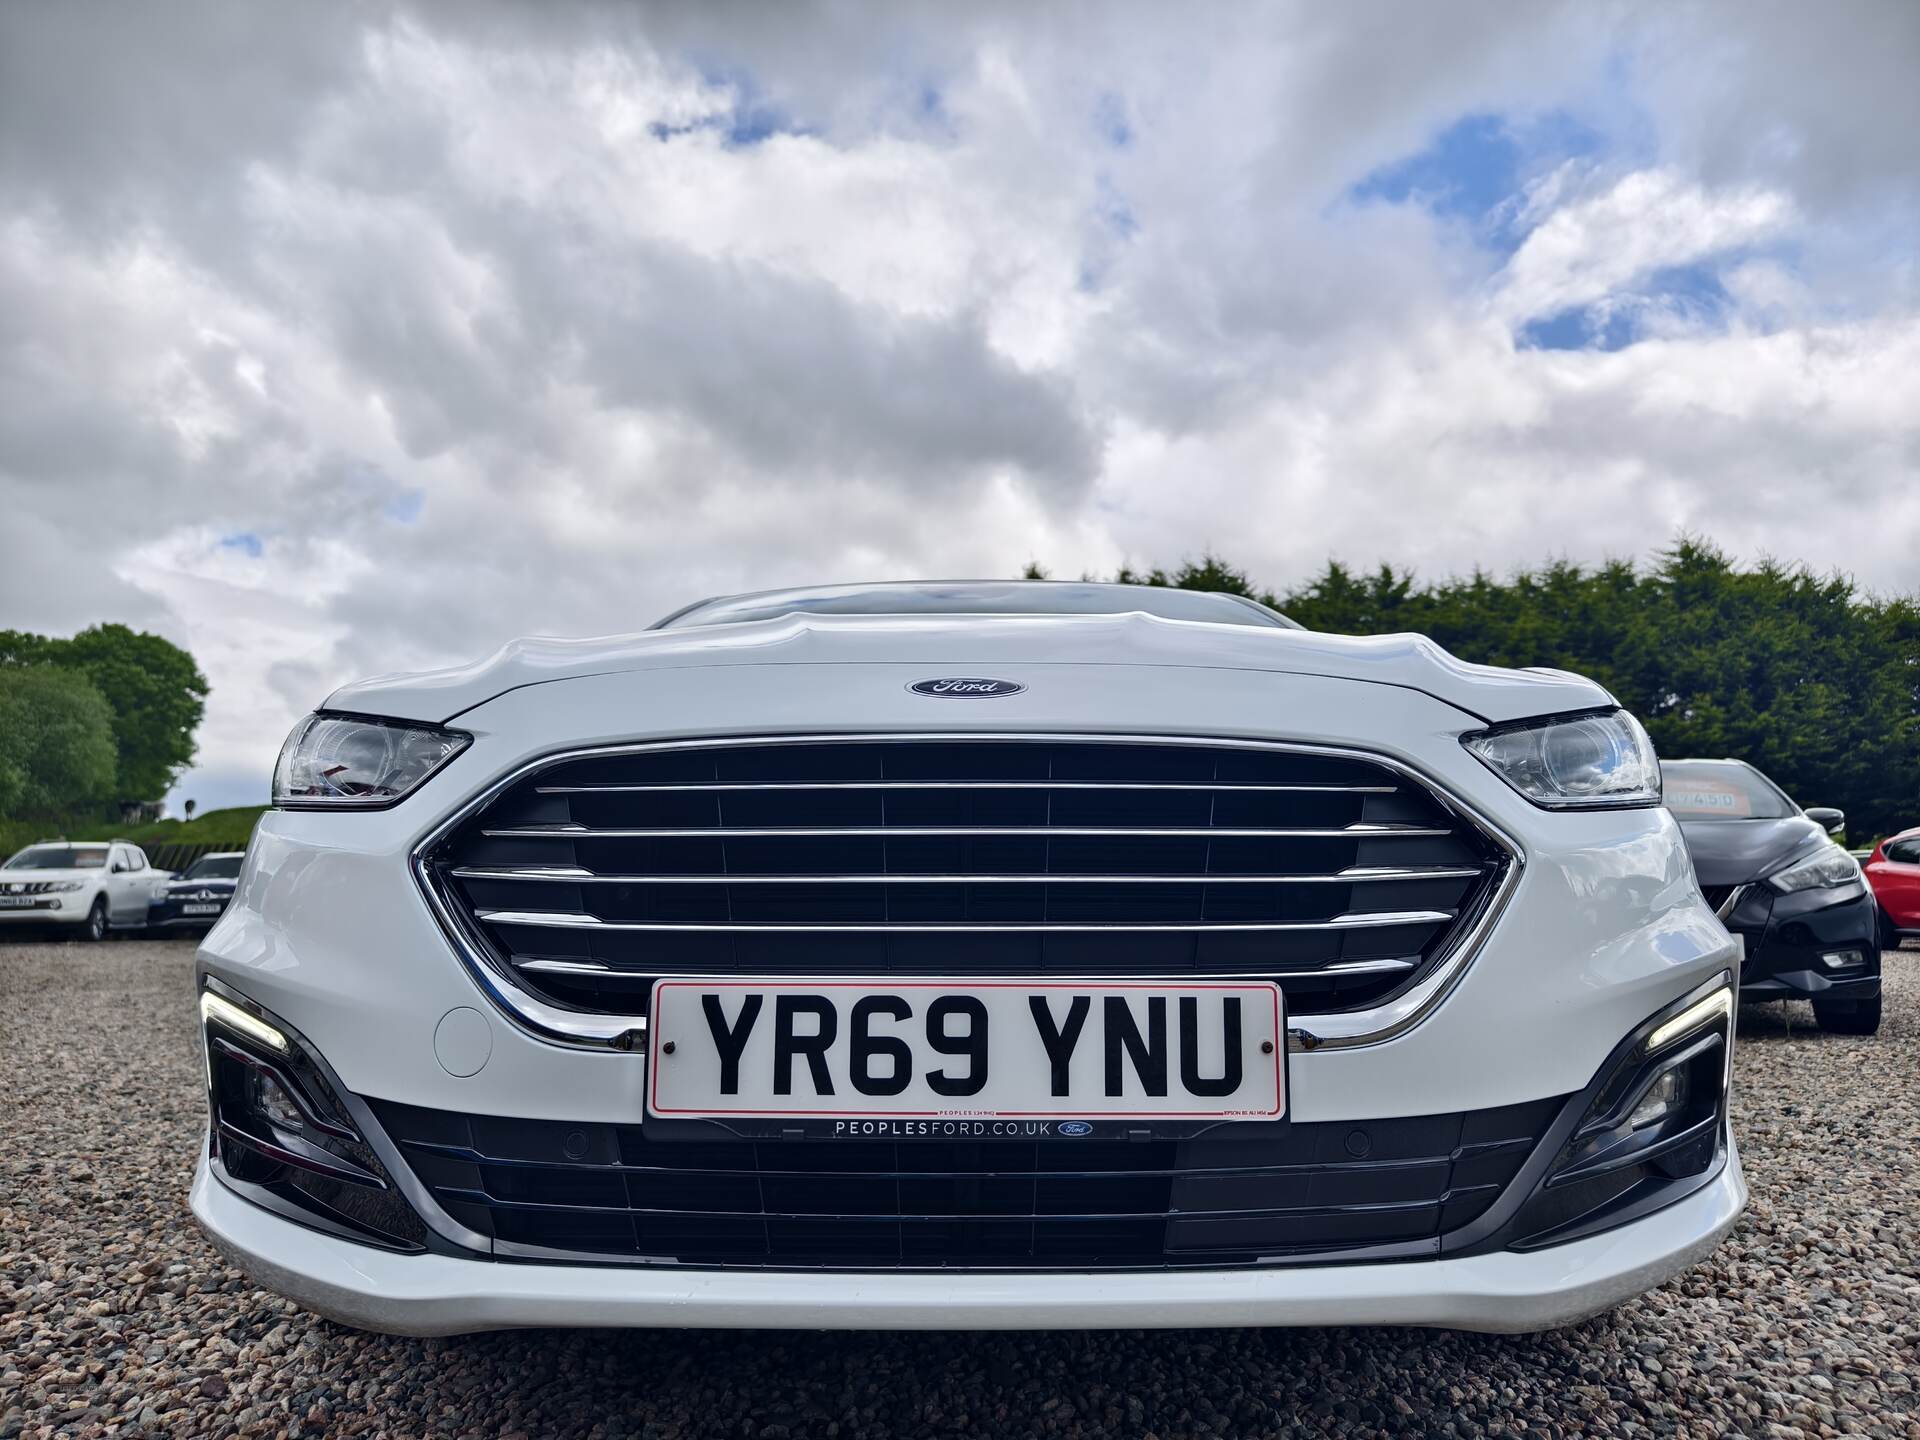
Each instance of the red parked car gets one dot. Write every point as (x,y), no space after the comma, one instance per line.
(1894,872)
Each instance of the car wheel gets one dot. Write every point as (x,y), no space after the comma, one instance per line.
(97,919)
(1848,1017)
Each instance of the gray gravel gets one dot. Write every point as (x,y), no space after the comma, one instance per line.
(117,1318)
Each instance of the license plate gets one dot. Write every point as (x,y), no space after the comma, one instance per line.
(200,909)
(15,902)
(997,1049)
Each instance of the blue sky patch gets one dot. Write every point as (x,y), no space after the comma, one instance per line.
(1688,296)
(245,541)
(1478,166)
(405,507)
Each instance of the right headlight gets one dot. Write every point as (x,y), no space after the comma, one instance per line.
(1827,866)
(1577,762)
(354,762)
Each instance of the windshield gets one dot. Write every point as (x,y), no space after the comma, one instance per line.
(984,597)
(214,867)
(1721,790)
(60,857)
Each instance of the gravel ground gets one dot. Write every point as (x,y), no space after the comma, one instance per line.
(117,1318)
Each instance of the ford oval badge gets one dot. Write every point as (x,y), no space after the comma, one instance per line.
(963,687)
(1075,1127)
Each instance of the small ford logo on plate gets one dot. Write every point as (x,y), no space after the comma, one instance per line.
(1075,1127)
(966,687)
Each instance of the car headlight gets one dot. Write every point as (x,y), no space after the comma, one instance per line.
(66,887)
(159,889)
(1830,865)
(346,762)
(1583,762)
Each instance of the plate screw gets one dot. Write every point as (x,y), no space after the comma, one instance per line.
(1266,1047)
(667,1049)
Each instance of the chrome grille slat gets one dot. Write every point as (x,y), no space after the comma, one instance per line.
(577,880)
(697,787)
(594,967)
(910,832)
(565,920)
(572,876)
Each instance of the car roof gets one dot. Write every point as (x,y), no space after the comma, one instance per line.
(981,597)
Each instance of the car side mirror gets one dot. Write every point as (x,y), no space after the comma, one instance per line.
(120,867)
(1833,821)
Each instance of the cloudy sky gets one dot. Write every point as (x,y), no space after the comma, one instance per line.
(346,339)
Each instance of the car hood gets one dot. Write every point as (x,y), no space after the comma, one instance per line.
(976,645)
(1733,852)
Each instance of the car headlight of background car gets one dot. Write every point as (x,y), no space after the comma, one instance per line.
(349,761)
(158,892)
(65,887)
(1578,762)
(1827,867)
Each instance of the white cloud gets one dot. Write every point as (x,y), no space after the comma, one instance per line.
(1649,220)
(481,322)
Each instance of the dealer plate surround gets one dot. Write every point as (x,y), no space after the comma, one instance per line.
(750,1048)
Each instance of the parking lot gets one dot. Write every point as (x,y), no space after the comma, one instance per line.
(117,1318)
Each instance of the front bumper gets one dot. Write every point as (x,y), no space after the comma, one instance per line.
(61,910)
(1786,936)
(432,1294)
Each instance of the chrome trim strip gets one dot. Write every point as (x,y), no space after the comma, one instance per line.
(574,920)
(560,1026)
(728,786)
(571,831)
(573,875)
(1343,967)
(1734,897)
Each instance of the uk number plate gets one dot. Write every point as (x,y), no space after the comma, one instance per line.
(812,1050)
(200,909)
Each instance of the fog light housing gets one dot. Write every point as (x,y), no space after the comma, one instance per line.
(1653,1130)
(280,1135)
(1842,959)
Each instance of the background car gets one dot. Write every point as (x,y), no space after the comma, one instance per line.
(1773,874)
(90,886)
(195,898)
(1893,870)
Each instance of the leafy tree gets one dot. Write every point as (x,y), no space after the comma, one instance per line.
(56,742)
(155,692)
(1805,676)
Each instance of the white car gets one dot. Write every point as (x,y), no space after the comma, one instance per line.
(968,955)
(92,887)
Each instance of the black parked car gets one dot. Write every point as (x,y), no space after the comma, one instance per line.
(194,899)
(1777,879)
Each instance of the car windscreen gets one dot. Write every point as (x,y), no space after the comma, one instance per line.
(60,857)
(214,867)
(1058,597)
(1721,790)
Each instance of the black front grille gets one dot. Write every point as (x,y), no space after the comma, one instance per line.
(1238,1196)
(1335,874)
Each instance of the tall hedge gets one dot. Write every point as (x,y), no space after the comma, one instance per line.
(1807,676)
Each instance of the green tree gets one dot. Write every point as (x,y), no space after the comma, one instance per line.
(1804,675)
(152,687)
(56,742)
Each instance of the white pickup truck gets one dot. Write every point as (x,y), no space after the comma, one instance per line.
(95,886)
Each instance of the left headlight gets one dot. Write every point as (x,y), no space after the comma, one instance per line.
(350,762)
(1575,763)
(66,887)
(1828,866)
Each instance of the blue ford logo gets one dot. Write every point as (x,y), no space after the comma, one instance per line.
(966,687)
(1075,1127)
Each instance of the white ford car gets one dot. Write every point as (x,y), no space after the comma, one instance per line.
(85,888)
(968,955)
